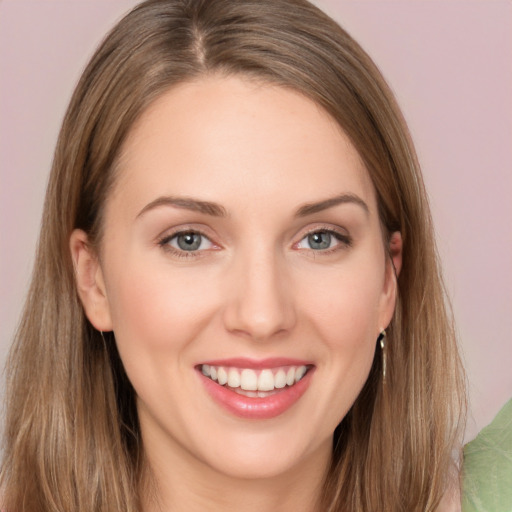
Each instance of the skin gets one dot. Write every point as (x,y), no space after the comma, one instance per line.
(255,288)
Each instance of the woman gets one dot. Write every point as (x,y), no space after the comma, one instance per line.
(242,301)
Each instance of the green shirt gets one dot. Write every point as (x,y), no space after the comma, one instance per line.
(487,470)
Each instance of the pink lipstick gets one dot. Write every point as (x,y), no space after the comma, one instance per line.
(256,389)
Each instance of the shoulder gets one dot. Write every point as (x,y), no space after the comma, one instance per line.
(487,469)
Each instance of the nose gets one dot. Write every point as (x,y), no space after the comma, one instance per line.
(260,304)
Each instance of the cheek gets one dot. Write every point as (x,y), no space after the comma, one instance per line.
(344,303)
(349,350)
(342,312)
(157,309)
(157,315)
(347,325)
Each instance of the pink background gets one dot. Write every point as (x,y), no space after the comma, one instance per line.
(450,65)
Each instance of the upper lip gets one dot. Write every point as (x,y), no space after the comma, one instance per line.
(257,364)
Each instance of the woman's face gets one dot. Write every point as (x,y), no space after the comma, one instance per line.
(241,242)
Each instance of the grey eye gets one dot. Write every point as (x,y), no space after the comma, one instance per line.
(189,241)
(319,240)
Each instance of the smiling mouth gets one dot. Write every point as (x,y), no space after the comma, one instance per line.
(255,383)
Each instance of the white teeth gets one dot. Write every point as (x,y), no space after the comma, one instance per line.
(290,377)
(266,381)
(222,376)
(250,382)
(233,378)
(280,379)
(301,371)
(251,394)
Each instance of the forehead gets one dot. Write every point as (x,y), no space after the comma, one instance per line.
(219,136)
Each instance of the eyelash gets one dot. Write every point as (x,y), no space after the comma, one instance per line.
(345,241)
(165,245)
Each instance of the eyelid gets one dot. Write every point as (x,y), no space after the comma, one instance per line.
(344,238)
(176,236)
(200,229)
(341,235)
(163,241)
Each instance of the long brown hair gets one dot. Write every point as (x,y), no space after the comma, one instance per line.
(72,440)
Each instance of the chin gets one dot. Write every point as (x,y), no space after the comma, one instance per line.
(252,466)
(260,457)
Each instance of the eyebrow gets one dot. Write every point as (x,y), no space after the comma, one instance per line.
(216,210)
(311,208)
(186,203)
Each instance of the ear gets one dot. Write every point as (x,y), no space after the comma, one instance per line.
(393,267)
(395,251)
(89,281)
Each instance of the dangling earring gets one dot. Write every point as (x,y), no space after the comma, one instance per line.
(382,340)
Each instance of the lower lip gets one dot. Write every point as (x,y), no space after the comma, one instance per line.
(257,408)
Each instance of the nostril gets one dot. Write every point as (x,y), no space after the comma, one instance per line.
(258,303)
(259,323)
